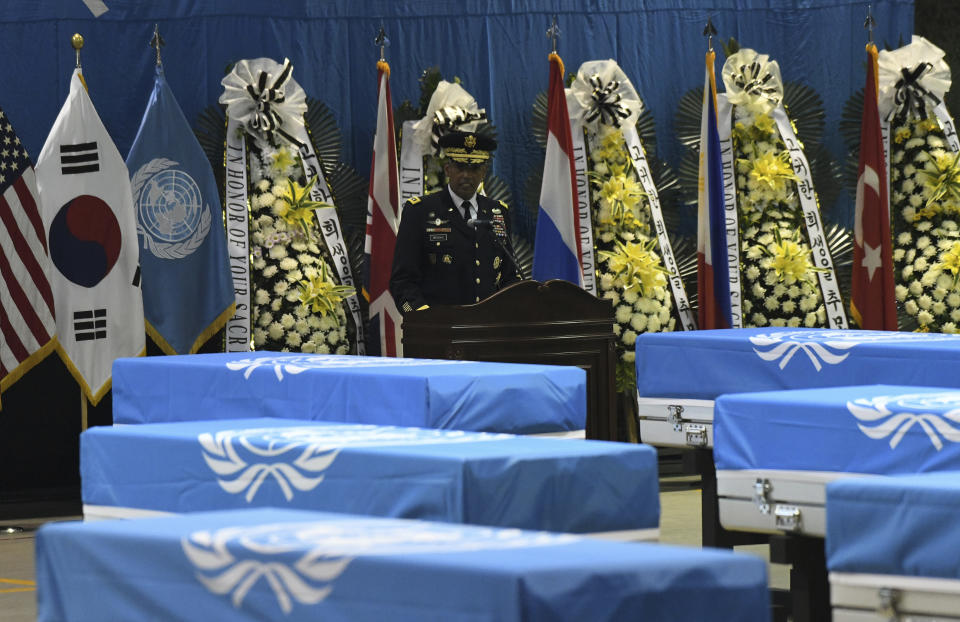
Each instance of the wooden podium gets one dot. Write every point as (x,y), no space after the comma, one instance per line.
(554,323)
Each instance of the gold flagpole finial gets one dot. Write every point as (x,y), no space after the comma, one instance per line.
(709,31)
(77,42)
(157,42)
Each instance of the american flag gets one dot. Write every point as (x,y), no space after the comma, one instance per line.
(27,322)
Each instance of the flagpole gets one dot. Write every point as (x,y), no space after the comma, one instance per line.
(77,42)
(83,410)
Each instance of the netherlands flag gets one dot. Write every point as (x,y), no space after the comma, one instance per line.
(713,282)
(557,253)
(383,217)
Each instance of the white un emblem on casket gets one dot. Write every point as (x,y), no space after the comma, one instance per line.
(171,218)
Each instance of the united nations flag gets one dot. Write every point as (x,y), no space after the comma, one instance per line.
(187,289)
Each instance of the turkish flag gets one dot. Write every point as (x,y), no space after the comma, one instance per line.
(872,303)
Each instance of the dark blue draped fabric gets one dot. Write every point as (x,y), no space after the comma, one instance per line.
(497,47)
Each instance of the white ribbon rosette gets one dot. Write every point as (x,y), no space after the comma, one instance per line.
(451,106)
(263,97)
(602,93)
(911,76)
(753,80)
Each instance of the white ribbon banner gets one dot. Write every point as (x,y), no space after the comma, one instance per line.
(238,244)
(329,224)
(731,217)
(632,140)
(411,165)
(833,304)
(588,260)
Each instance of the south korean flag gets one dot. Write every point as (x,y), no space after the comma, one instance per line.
(87,210)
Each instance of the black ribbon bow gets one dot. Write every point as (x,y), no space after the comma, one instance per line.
(606,99)
(910,94)
(751,81)
(266,119)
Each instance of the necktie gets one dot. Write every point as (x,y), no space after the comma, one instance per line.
(466,210)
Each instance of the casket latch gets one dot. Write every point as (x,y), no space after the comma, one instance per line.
(675,416)
(696,434)
(787,517)
(889,604)
(761,490)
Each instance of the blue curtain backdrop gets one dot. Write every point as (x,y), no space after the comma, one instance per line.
(497,47)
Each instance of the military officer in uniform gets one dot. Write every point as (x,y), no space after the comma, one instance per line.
(452,245)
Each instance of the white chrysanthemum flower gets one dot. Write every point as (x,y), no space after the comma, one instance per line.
(939,293)
(949,225)
(310,272)
(913,143)
(301,326)
(294,276)
(277,251)
(770,278)
(629,357)
(930,251)
(898,156)
(265,319)
(908,185)
(629,338)
(935,141)
(810,320)
(333,337)
(780,322)
(287,321)
(269,271)
(638,322)
(911,255)
(606,280)
(939,307)
(770,303)
(924,318)
(757,290)
(900,292)
(327,323)
(922,242)
(793,322)
(915,288)
(280,288)
(953,299)
(275,304)
(299,246)
(663,315)
(653,324)
(752,273)
(275,330)
(923,225)
(259,263)
(322,348)
(907,273)
(617,329)
(288,263)
(294,339)
(789,306)
(929,278)
(808,303)
(949,328)
(909,170)
(630,296)
(259,336)
(313,321)
(911,307)
(623,314)
(747,305)
(904,238)
(925,302)
(261,297)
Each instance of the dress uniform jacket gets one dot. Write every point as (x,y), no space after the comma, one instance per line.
(439,259)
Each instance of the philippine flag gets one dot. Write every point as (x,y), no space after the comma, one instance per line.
(713,283)
(557,253)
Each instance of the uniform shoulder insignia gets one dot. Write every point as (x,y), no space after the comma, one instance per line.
(505,206)
(414,200)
